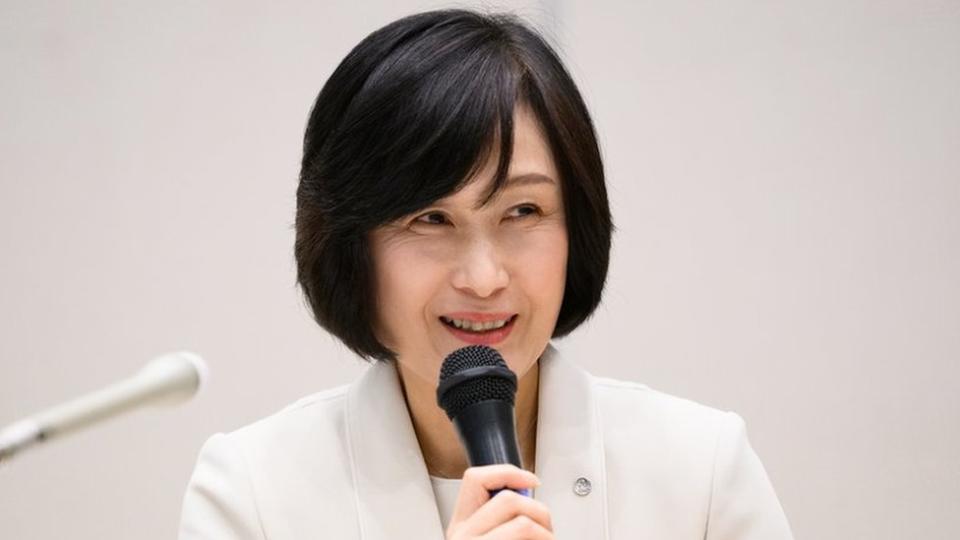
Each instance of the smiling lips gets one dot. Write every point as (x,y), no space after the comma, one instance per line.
(479,328)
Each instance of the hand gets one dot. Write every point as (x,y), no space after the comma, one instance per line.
(507,516)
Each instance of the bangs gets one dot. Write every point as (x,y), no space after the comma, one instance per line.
(427,118)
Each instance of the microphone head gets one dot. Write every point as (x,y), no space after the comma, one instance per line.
(473,374)
(176,376)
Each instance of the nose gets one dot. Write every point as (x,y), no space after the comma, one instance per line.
(480,270)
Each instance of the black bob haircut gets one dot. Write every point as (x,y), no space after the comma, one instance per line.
(407,118)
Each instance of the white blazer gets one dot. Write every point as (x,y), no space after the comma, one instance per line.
(345,463)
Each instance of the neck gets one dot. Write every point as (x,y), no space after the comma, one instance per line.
(439,444)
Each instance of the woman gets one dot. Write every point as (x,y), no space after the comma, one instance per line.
(451,193)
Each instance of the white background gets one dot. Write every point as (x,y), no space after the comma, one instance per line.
(785,178)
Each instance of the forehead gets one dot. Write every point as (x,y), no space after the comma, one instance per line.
(531,164)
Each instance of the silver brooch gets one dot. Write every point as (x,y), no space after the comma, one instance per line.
(582,487)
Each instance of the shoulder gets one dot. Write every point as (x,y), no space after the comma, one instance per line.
(312,425)
(661,441)
(323,406)
(634,415)
(626,408)
(277,466)
(625,403)
(692,461)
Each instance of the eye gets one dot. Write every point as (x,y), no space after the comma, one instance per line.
(524,210)
(432,218)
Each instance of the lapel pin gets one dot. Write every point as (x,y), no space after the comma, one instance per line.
(582,487)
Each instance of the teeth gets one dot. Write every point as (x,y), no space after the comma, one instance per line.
(476,326)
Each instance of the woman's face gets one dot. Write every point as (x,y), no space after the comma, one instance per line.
(457,264)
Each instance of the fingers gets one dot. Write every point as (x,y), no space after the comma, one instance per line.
(505,508)
(519,528)
(508,515)
(478,482)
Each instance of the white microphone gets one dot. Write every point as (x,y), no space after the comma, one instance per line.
(171,378)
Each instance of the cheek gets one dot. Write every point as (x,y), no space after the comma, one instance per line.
(406,278)
(547,255)
(544,266)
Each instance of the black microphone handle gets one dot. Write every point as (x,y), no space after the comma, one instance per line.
(488,433)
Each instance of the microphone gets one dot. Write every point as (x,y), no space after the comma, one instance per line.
(477,390)
(169,379)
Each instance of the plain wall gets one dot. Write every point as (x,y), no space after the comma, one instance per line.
(785,179)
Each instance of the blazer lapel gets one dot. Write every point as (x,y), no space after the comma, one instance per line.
(570,452)
(393,493)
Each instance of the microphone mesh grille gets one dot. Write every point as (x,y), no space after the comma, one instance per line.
(476,389)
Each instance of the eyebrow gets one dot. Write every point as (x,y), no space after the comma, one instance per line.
(528,179)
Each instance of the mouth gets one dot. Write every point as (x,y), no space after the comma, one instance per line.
(480,329)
